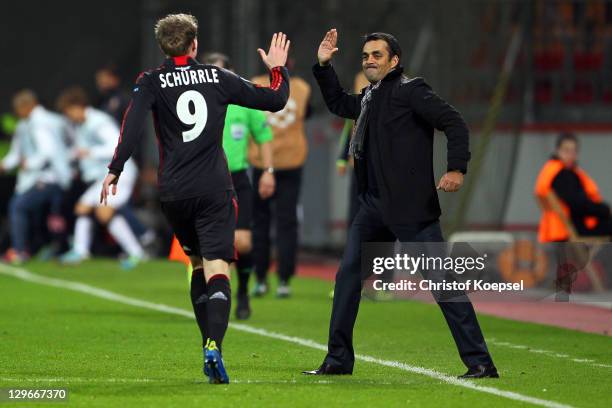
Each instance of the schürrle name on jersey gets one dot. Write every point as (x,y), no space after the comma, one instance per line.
(189,77)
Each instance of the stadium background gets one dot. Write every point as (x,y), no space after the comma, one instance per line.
(83,327)
(560,80)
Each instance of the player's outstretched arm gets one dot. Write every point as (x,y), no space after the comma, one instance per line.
(338,101)
(273,98)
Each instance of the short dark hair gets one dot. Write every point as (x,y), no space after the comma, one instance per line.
(392,44)
(73,96)
(210,58)
(25,97)
(110,68)
(566,137)
(175,33)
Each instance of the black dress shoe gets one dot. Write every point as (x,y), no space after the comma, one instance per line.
(481,371)
(327,369)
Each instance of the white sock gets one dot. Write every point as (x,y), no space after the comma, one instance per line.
(82,235)
(123,234)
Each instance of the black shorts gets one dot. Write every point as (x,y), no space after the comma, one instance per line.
(205,225)
(244,193)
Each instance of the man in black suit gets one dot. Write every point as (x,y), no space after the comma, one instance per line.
(393,150)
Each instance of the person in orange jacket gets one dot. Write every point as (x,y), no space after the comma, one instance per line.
(579,195)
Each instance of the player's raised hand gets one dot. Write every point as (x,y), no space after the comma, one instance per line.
(328,48)
(109,180)
(277,54)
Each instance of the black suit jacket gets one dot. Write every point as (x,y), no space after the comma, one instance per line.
(402,118)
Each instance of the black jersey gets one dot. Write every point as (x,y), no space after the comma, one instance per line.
(188,101)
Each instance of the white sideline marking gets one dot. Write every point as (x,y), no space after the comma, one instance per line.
(68,380)
(105,294)
(78,380)
(549,353)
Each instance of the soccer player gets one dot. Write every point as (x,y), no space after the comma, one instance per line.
(241,124)
(189,102)
(96,134)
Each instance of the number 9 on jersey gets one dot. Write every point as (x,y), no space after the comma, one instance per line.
(199,116)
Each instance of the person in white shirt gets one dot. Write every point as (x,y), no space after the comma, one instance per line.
(38,152)
(96,135)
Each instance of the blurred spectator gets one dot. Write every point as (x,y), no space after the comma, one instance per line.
(113,99)
(96,137)
(579,194)
(290,149)
(37,150)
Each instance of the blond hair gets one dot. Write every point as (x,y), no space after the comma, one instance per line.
(175,33)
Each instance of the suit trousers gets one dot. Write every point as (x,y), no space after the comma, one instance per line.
(368,226)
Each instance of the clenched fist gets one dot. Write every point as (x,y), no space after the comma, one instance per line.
(451,181)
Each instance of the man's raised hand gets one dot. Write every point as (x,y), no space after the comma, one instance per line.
(277,54)
(328,48)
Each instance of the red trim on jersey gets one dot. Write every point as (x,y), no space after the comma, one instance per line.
(235,204)
(276,81)
(217,276)
(272,79)
(277,78)
(181,60)
(160,148)
(127,110)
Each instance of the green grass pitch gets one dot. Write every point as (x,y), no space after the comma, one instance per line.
(108,353)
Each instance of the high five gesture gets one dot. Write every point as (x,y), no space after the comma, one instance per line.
(328,48)
(277,54)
